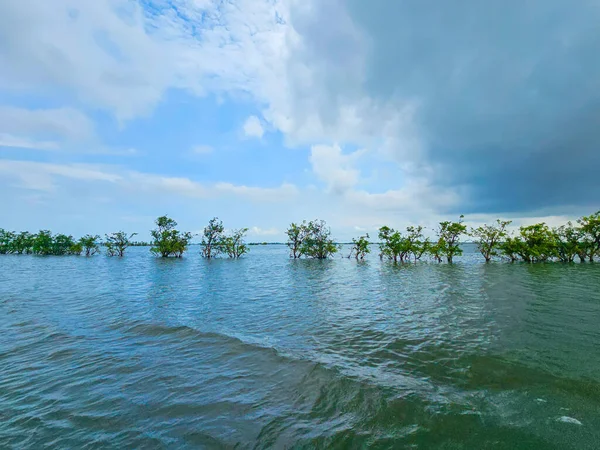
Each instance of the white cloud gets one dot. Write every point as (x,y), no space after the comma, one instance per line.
(333,167)
(118,56)
(257,231)
(334,71)
(41,176)
(282,193)
(44,177)
(7,140)
(58,123)
(253,127)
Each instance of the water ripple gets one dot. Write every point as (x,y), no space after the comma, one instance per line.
(265,352)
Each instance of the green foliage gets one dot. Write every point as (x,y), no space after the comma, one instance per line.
(317,242)
(437,250)
(511,248)
(567,243)
(449,234)
(89,245)
(418,246)
(233,245)
(398,247)
(167,241)
(296,236)
(117,243)
(537,243)
(7,239)
(590,227)
(23,243)
(360,247)
(391,245)
(64,245)
(212,238)
(489,238)
(42,243)
(75,249)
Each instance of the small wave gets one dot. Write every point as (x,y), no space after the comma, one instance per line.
(567,419)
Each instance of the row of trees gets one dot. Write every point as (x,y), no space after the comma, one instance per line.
(170,242)
(313,240)
(167,241)
(45,243)
(533,243)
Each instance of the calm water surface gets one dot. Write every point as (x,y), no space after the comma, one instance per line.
(265,352)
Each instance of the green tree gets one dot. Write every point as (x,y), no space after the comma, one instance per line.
(89,244)
(23,243)
(585,249)
(42,243)
(117,243)
(296,236)
(567,242)
(511,247)
(391,244)
(489,238)
(590,226)
(537,243)
(360,247)
(417,244)
(233,244)
(212,238)
(167,241)
(437,250)
(318,243)
(7,241)
(63,244)
(449,234)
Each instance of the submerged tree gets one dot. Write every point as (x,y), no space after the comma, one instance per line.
(63,244)
(360,247)
(390,243)
(117,243)
(233,245)
(510,247)
(417,244)
(437,251)
(23,243)
(167,241)
(567,242)
(212,238)
(537,243)
(318,243)
(398,247)
(449,234)
(296,236)
(590,227)
(42,243)
(89,244)
(7,239)
(489,238)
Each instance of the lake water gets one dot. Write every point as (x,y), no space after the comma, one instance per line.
(267,352)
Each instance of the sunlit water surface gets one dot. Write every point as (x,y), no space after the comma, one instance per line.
(267,352)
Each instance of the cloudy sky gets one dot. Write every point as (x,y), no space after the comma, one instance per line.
(263,112)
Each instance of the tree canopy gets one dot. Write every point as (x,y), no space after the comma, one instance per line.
(168,241)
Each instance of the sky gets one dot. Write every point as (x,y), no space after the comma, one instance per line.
(267,112)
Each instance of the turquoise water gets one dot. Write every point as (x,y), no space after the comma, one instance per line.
(267,352)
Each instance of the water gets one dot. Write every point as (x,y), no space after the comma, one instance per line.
(267,352)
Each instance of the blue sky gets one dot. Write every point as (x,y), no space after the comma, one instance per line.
(266,112)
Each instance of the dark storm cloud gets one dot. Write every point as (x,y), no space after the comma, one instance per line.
(508,93)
